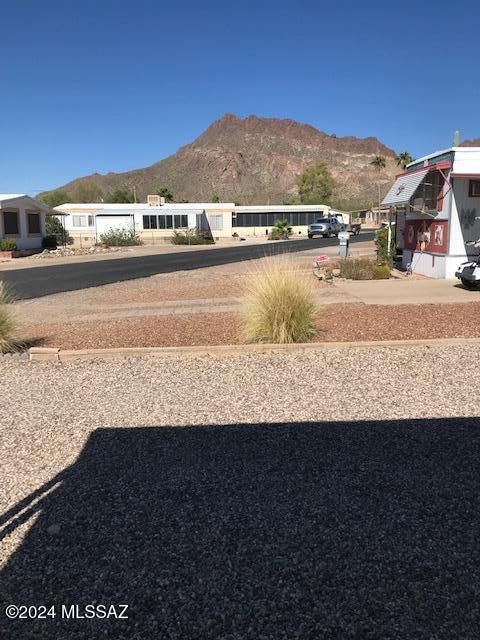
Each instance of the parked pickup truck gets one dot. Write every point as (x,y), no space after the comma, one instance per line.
(348,223)
(326,227)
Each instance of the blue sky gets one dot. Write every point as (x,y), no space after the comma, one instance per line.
(102,85)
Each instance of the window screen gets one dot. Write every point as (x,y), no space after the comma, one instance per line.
(474,188)
(33,223)
(10,223)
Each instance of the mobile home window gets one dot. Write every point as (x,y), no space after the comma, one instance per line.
(169,222)
(33,223)
(10,223)
(146,222)
(181,221)
(474,189)
(79,221)
(216,223)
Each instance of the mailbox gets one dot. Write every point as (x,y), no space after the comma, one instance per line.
(344,241)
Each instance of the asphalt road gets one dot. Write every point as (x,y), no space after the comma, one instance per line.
(36,282)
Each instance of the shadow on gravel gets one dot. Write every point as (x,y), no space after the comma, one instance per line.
(330,530)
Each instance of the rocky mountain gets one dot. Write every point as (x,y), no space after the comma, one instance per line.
(471,143)
(257,160)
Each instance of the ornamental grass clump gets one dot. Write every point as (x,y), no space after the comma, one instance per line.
(279,306)
(7,322)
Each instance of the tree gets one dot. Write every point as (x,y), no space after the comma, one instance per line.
(87,191)
(120,196)
(55,198)
(315,185)
(281,230)
(379,163)
(54,227)
(403,159)
(215,197)
(165,193)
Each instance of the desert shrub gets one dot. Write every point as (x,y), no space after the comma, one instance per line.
(191,236)
(385,254)
(7,322)
(381,272)
(279,305)
(281,230)
(49,242)
(357,268)
(120,237)
(54,227)
(7,244)
(363,269)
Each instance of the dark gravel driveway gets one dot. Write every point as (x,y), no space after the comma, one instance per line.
(330,530)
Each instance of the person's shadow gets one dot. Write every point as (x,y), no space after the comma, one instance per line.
(334,530)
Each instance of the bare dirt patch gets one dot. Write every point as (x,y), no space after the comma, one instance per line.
(339,322)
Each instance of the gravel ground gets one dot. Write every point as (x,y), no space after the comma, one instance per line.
(353,514)
(336,322)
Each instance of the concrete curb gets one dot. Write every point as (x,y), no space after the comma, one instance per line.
(41,354)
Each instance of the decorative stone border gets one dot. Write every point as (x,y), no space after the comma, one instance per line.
(42,354)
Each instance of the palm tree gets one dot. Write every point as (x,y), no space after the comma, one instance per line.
(379,163)
(403,159)
(281,230)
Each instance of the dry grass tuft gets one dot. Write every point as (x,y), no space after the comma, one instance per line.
(7,322)
(280,307)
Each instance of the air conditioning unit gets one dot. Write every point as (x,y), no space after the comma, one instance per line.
(155,201)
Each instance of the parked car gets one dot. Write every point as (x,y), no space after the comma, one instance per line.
(326,227)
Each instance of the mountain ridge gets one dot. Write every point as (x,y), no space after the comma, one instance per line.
(254,160)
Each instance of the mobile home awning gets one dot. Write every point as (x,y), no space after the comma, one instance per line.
(404,187)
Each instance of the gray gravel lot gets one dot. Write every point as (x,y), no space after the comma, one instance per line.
(354,514)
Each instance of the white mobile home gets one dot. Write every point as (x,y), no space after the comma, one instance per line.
(23,220)
(156,221)
(436,202)
(258,220)
(87,222)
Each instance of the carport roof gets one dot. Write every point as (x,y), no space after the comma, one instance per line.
(404,187)
(7,199)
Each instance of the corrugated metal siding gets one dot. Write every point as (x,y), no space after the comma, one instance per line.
(403,188)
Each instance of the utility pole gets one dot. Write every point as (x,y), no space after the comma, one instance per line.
(135,195)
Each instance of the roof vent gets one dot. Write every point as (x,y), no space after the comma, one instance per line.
(155,201)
